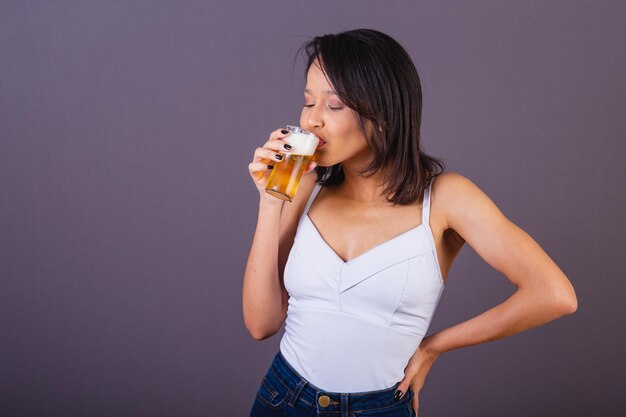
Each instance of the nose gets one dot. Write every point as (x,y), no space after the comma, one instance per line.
(312,119)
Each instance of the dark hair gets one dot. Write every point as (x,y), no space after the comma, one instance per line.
(373,75)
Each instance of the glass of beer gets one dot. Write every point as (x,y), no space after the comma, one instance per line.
(285,177)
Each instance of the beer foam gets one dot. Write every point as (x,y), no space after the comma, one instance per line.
(302,143)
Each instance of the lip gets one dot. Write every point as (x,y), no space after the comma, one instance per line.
(321,143)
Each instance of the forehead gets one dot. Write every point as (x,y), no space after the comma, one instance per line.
(317,81)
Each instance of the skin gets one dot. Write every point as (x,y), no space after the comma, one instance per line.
(354,217)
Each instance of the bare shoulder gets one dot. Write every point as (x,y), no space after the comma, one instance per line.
(450,192)
(450,181)
(462,203)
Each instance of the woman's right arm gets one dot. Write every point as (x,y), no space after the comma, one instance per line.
(264,296)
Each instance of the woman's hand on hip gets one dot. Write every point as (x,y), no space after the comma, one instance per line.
(415,372)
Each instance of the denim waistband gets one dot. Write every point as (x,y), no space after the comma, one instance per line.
(301,388)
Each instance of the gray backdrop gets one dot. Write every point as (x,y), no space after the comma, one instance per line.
(127,211)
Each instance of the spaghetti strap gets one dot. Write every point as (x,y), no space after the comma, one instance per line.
(426,204)
(426,223)
(316,190)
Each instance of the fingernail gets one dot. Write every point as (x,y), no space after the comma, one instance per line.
(287,146)
(398,395)
(284,132)
(279,156)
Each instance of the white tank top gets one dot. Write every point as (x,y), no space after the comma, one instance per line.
(353,326)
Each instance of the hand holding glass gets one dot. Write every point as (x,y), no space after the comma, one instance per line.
(285,177)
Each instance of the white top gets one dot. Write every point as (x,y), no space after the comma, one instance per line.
(353,326)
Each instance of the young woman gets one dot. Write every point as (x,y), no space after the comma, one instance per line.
(356,263)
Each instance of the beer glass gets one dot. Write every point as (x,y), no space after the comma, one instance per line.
(285,177)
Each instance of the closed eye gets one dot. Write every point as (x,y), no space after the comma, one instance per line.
(330,107)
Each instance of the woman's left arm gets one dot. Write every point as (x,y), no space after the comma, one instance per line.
(543,291)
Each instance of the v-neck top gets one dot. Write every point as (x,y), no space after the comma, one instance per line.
(352,326)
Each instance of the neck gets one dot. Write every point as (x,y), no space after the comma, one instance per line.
(359,189)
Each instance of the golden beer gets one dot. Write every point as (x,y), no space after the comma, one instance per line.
(285,177)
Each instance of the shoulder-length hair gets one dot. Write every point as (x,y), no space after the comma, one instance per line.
(373,75)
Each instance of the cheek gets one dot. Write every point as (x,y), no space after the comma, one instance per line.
(301,117)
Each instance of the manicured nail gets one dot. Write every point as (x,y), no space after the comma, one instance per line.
(284,132)
(279,156)
(287,146)
(398,395)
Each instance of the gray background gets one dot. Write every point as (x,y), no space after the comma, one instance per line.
(127,211)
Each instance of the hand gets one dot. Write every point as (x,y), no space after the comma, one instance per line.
(265,156)
(416,371)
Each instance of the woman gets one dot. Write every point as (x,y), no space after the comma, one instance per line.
(356,263)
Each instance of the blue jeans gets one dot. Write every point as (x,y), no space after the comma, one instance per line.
(284,392)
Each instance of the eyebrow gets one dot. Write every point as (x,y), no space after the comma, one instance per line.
(329,92)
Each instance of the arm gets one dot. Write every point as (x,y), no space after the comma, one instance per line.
(264,296)
(544,293)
